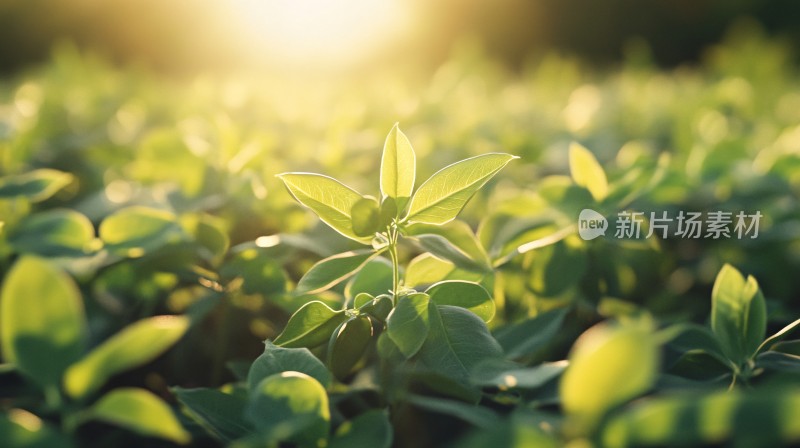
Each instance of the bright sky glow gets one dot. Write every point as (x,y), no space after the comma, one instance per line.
(321,32)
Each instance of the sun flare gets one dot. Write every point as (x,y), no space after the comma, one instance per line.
(321,31)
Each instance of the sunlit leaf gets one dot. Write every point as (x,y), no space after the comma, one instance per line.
(22,429)
(454,242)
(43,326)
(36,185)
(607,366)
(407,325)
(333,270)
(587,172)
(777,337)
(141,412)
(440,199)
(290,407)
(398,168)
(279,359)
(761,418)
(136,344)
(331,200)
(365,215)
(310,326)
(738,314)
(135,231)
(53,233)
(468,295)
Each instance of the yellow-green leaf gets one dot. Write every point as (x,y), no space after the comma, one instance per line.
(607,366)
(587,172)
(139,411)
(135,345)
(137,230)
(310,326)
(441,198)
(36,185)
(290,407)
(738,314)
(398,168)
(331,200)
(43,323)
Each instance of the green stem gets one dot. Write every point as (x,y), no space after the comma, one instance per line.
(395,263)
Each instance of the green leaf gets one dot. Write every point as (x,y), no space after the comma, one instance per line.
(587,172)
(290,407)
(279,359)
(210,234)
(777,337)
(259,272)
(53,233)
(137,344)
(371,429)
(469,295)
(310,326)
(556,267)
(441,198)
(531,336)
(21,429)
(505,375)
(366,216)
(398,168)
(479,416)
(783,362)
(738,314)
(722,418)
(510,434)
(348,344)
(454,242)
(43,323)
(689,337)
(408,323)
(458,340)
(607,366)
(139,411)
(374,278)
(426,269)
(137,230)
(36,185)
(378,307)
(331,200)
(218,412)
(331,271)
(388,212)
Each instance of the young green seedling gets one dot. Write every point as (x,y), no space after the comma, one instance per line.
(380,224)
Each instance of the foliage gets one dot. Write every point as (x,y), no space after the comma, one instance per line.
(147,247)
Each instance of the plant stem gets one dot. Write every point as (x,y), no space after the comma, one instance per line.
(395,263)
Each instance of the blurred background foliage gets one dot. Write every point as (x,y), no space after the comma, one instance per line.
(183,107)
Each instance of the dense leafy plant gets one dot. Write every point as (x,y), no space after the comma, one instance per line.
(138,197)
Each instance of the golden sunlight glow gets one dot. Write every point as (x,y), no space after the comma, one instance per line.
(321,31)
